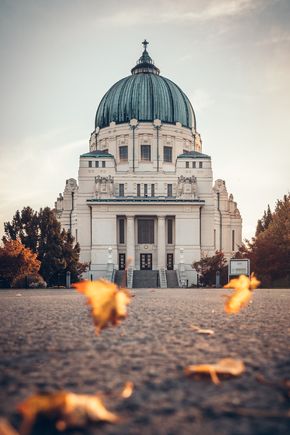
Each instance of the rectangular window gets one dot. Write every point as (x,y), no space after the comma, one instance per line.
(169,189)
(194,164)
(187,164)
(121,231)
(167,154)
(138,189)
(123,153)
(152,189)
(233,240)
(200,164)
(146,190)
(96,164)
(170,231)
(146,152)
(121,190)
(146,231)
(90,163)
(103,164)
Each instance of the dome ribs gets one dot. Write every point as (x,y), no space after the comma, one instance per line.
(145,96)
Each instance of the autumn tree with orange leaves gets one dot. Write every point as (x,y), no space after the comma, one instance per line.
(16,261)
(269,251)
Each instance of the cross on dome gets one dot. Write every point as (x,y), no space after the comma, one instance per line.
(145,43)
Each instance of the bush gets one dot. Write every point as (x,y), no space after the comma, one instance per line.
(30,281)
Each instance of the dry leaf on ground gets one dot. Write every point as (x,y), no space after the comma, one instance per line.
(108,301)
(127,390)
(6,428)
(199,330)
(243,287)
(225,366)
(64,410)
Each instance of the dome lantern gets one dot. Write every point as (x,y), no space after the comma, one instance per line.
(145,64)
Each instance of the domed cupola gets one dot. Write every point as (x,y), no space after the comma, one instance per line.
(145,95)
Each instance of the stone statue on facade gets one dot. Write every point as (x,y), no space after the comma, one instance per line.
(104,186)
(186,187)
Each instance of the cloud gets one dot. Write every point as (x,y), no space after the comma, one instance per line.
(185,12)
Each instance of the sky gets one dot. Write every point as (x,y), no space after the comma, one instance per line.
(58,58)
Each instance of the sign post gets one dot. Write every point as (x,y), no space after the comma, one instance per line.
(239,266)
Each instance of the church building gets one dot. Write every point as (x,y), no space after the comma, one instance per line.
(145,188)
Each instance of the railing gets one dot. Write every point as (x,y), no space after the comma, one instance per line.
(162,278)
(130,273)
(110,272)
(181,276)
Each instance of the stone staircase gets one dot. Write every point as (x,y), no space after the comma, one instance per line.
(146,279)
(162,278)
(172,281)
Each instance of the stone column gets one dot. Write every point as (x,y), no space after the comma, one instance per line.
(161,241)
(131,240)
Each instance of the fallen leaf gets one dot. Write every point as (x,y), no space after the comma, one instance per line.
(225,366)
(64,410)
(243,290)
(108,301)
(127,390)
(199,330)
(6,428)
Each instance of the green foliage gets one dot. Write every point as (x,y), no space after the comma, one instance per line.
(208,266)
(54,247)
(269,251)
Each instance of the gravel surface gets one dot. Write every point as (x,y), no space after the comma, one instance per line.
(47,343)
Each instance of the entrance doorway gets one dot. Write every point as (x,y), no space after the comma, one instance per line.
(169,261)
(146,261)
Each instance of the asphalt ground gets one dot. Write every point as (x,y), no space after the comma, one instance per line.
(47,343)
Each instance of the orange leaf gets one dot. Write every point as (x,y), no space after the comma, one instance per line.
(225,366)
(64,409)
(243,287)
(108,302)
(127,390)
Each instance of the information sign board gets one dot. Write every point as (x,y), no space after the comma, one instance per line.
(239,266)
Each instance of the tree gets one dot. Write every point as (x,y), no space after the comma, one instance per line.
(209,266)
(16,261)
(264,223)
(269,251)
(54,247)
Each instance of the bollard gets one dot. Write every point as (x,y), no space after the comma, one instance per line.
(218,279)
(67,281)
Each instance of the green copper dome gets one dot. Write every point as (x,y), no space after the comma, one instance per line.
(145,95)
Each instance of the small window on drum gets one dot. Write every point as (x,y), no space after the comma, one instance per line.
(146,152)
(169,189)
(123,153)
(103,164)
(167,154)
(187,164)
(90,163)
(194,165)
(200,164)
(96,164)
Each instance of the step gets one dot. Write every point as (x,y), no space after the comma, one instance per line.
(172,281)
(146,279)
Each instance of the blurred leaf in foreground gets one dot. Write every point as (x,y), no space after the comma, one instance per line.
(108,302)
(64,410)
(243,287)
(6,428)
(225,366)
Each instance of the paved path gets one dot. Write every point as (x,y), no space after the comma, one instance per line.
(47,343)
